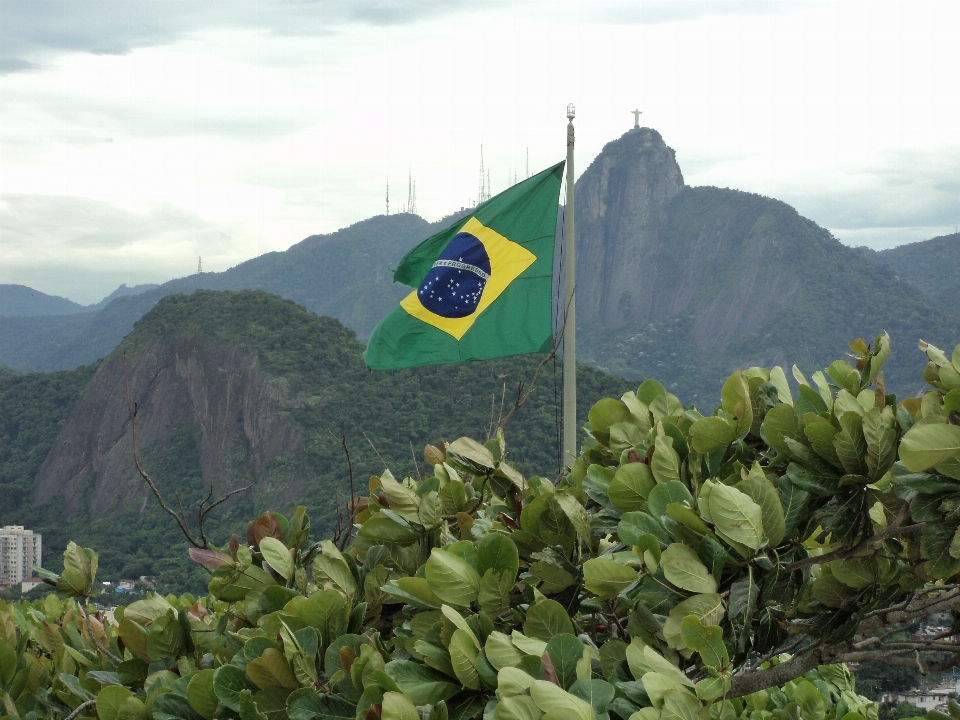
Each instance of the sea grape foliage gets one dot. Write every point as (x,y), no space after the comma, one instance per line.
(688,566)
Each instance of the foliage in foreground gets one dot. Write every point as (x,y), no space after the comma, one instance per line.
(689,567)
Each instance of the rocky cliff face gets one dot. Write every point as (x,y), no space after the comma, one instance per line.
(622,202)
(215,395)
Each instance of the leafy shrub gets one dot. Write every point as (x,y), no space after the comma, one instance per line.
(687,567)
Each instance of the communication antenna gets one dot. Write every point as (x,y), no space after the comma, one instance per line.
(481,192)
(388,196)
(199,265)
(413,204)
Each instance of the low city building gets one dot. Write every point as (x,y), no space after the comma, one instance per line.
(29,584)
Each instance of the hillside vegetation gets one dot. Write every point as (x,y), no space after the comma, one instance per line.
(196,428)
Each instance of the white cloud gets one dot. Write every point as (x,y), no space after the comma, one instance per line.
(270,121)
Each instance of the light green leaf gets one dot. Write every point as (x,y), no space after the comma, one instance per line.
(683,567)
(512,681)
(277,554)
(708,608)
(665,463)
(711,433)
(498,553)
(452,578)
(565,651)
(517,707)
(109,700)
(735,401)
(501,652)
(330,564)
(605,577)
(598,693)
(559,703)
(927,445)
(463,655)
(736,516)
(680,705)
(494,595)
(546,619)
(630,486)
(423,685)
(383,530)
(328,612)
(759,488)
(706,640)
(605,413)
(397,706)
(201,695)
(402,500)
(779,423)
(473,456)
(779,379)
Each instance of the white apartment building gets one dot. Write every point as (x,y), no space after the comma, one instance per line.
(20,550)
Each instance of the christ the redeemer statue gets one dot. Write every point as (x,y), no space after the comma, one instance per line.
(636,119)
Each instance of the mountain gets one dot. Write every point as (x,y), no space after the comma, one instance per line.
(676,282)
(686,284)
(237,388)
(931,266)
(346,275)
(25,301)
(122,291)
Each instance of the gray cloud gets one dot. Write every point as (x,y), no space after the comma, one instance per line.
(83,249)
(654,12)
(34,29)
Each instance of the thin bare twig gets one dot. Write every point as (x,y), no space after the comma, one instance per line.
(181,519)
(522,398)
(375,450)
(341,539)
(893,529)
(416,466)
(80,708)
(93,637)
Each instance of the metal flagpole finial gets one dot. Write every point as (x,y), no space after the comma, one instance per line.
(571,112)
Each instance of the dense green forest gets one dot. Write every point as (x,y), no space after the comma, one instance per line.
(317,360)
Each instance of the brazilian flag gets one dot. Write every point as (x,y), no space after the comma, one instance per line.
(482,287)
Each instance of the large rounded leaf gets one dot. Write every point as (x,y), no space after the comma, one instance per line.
(498,553)
(201,695)
(683,567)
(109,701)
(605,577)
(927,445)
(546,619)
(277,554)
(712,433)
(630,487)
(735,516)
(452,578)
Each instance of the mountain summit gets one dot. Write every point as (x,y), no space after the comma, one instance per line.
(686,284)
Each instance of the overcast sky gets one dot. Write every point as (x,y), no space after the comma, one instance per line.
(137,136)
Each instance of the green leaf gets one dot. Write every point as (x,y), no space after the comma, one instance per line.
(271,669)
(605,577)
(172,706)
(794,502)
(79,570)
(598,693)
(821,435)
(471,455)
(463,656)
(277,554)
(412,591)
(328,612)
(634,524)
(649,390)
(759,488)
(423,685)
(666,493)
(109,700)
(683,567)
(500,651)
(201,695)
(712,433)
(845,375)
(665,463)
(383,530)
(558,703)
(680,705)
(927,445)
(850,444)
(546,619)
(402,500)
(452,578)
(630,487)
(708,608)
(706,640)
(565,651)
(498,553)
(306,704)
(736,516)
(517,707)
(397,706)
(735,401)
(228,682)
(605,413)
(779,423)
(331,565)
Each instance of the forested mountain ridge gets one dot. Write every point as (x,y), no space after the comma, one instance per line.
(238,388)
(687,284)
(931,266)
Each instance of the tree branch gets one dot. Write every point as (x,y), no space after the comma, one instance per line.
(893,529)
(80,708)
(181,518)
(93,637)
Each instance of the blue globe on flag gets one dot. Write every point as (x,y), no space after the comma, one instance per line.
(454,285)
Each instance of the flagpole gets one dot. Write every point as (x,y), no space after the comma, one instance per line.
(570,315)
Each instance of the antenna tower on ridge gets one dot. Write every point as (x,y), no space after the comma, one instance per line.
(411,195)
(199,265)
(388,196)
